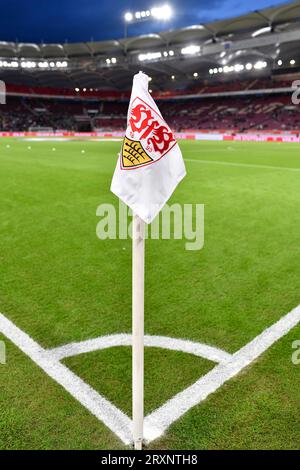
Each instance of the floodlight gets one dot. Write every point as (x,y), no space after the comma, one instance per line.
(190,50)
(238,67)
(149,56)
(279,62)
(292,61)
(260,31)
(260,65)
(162,13)
(128,16)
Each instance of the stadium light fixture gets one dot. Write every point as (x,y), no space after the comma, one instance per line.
(173,77)
(9,64)
(77,90)
(32,64)
(292,62)
(128,17)
(195,74)
(258,32)
(279,62)
(238,67)
(149,56)
(111,60)
(261,64)
(190,50)
(160,13)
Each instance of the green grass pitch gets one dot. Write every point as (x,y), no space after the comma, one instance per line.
(60,283)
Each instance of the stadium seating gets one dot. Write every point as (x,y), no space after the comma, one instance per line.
(261,111)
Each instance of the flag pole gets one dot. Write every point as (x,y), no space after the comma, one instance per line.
(138,273)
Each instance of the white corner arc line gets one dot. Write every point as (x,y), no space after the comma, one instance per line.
(174,344)
(105,411)
(159,420)
(173,409)
(241,165)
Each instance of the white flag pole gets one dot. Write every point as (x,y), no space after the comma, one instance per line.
(138,265)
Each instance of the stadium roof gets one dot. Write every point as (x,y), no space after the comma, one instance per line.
(265,35)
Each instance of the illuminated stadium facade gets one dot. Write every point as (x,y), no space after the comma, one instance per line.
(247,63)
(269,36)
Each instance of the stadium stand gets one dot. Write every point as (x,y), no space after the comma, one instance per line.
(237,77)
(226,112)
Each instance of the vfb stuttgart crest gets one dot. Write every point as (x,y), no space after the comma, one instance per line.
(148,138)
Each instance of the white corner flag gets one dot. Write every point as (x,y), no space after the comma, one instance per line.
(150,164)
(149,168)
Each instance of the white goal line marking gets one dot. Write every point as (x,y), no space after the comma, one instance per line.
(246,165)
(159,420)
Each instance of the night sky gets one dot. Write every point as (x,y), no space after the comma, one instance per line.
(85,20)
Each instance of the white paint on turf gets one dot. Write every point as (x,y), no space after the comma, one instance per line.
(164,342)
(159,420)
(105,411)
(173,409)
(241,165)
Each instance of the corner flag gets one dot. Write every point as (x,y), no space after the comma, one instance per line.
(149,168)
(150,164)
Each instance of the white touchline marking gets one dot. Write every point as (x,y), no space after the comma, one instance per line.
(159,420)
(164,342)
(99,406)
(246,165)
